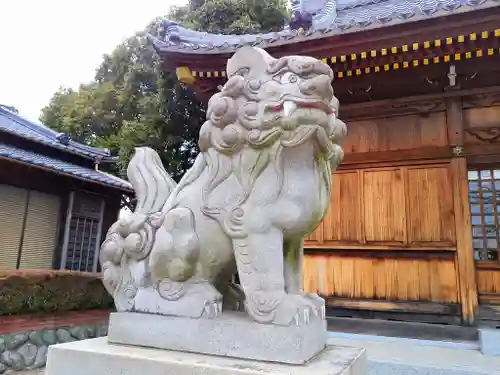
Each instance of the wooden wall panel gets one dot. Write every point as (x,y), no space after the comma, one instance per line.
(482,125)
(397,133)
(488,281)
(342,221)
(383,278)
(483,117)
(384,205)
(407,207)
(430,205)
(362,136)
(316,237)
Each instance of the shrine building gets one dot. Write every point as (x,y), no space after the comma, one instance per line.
(414,230)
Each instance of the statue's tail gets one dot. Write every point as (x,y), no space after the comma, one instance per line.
(133,237)
(150,180)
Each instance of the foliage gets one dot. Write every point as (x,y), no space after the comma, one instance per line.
(34,291)
(236,16)
(131,102)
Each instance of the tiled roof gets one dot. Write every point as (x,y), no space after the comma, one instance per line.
(62,167)
(347,16)
(11,122)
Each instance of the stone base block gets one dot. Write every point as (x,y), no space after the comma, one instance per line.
(98,357)
(489,341)
(232,334)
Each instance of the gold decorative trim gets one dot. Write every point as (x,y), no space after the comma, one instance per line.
(416,46)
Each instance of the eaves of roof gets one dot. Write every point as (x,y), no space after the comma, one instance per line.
(62,167)
(13,123)
(348,19)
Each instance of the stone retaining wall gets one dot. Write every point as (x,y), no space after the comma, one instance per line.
(27,349)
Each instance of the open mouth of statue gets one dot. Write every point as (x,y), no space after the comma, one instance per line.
(290,106)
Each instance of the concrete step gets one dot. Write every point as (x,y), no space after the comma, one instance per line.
(399,329)
(403,356)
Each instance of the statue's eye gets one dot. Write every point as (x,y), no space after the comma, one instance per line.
(289,77)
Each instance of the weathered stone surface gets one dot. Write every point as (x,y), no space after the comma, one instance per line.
(63,335)
(14,341)
(35,337)
(98,357)
(77,332)
(489,341)
(13,359)
(29,349)
(85,332)
(261,182)
(41,357)
(389,368)
(92,331)
(28,352)
(233,334)
(49,336)
(102,329)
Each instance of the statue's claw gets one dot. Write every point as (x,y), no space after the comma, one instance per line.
(212,309)
(292,309)
(318,302)
(305,317)
(307,308)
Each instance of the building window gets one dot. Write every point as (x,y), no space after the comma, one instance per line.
(29,224)
(83,232)
(484,198)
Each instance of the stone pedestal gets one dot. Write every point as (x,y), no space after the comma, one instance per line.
(232,334)
(98,357)
(489,341)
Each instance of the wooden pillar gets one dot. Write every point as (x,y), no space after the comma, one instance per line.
(455,121)
(465,252)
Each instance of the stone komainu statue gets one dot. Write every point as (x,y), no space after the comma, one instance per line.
(261,183)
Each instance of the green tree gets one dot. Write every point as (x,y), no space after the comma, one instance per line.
(236,16)
(132,102)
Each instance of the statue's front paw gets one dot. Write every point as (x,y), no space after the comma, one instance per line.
(285,309)
(317,301)
(212,309)
(188,299)
(298,310)
(208,296)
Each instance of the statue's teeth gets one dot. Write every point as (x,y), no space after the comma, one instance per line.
(289,108)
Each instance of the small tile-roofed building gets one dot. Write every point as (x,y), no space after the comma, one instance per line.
(55,203)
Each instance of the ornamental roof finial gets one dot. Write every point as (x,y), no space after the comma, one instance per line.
(309,13)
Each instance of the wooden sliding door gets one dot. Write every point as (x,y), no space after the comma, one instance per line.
(389,244)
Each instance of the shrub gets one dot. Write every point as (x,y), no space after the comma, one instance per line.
(35,291)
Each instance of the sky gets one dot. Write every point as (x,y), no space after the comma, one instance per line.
(45,44)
